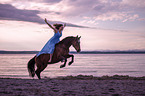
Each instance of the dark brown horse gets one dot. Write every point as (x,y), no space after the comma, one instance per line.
(61,53)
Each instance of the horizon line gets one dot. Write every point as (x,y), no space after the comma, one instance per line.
(82,52)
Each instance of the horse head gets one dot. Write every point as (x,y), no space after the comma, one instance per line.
(76,43)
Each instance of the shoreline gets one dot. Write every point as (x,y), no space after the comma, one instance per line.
(105,77)
(84,77)
(81,85)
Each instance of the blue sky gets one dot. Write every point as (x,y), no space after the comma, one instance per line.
(103,24)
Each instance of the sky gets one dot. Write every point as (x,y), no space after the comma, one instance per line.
(102,24)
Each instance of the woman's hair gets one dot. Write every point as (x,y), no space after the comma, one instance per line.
(57,26)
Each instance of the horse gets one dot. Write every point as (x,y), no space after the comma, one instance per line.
(61,53)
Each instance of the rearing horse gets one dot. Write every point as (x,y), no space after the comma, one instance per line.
(61,53)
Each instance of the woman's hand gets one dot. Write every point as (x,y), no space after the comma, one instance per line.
(64,25)
(46,20)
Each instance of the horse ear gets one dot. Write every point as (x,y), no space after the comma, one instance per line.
(79,37)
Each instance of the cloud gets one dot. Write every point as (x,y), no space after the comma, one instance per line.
(39,1)
(9,12)
(77,7)
(116,16)
(63,10)
(121,10)
(113,10)
(49,1)
(134,3)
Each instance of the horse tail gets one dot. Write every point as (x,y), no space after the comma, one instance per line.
(31,67)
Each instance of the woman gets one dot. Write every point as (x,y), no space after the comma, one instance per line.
(50,45)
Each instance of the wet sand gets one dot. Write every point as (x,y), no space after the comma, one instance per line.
(74,86)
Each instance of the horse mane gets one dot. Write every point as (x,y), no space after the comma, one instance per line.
(67,39)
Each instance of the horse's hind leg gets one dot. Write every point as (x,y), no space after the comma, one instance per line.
(41,64)
(40,69)
(38,73)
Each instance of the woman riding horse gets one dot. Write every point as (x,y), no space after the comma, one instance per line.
(52,52)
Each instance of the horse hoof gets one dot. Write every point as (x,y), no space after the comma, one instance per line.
(70,63)
(62,66)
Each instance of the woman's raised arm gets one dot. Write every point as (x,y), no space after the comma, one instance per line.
(50,25)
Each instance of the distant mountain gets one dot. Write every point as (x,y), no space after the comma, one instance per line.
(82,52)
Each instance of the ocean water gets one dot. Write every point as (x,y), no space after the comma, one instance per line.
(15,65)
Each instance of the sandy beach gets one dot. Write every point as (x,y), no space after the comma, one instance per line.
(74,86)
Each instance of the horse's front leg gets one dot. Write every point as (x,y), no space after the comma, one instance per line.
(65,60)
(72,60)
